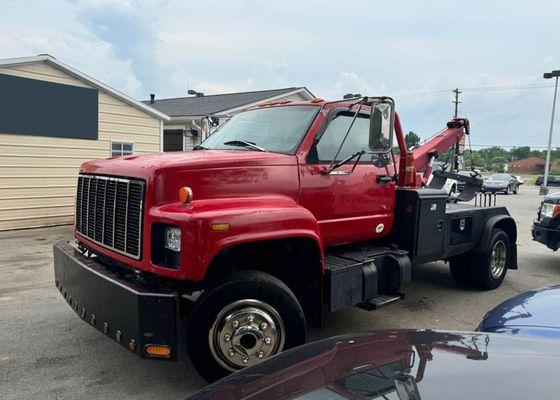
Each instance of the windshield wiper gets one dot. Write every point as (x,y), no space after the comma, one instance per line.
(358,154)
(199,147)
(244,143)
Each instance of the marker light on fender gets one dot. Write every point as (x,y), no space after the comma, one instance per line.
(185,195)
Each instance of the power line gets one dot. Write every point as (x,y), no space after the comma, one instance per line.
(411,97)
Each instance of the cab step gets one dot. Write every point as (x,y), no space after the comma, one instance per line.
(380,301)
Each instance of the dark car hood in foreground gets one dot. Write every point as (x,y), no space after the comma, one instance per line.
(434,365)
(534,313)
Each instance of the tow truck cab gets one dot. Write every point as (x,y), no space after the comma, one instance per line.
(279,215)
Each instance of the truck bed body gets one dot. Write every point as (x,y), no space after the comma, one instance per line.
(426,229)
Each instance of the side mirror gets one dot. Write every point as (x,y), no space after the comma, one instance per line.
(381,124)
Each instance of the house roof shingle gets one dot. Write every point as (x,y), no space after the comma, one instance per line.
(212,104)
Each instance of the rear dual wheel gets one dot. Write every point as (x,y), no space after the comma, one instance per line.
(246,318)
(485,270)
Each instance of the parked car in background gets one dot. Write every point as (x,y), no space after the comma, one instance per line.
(519,179)
(552,180)
(401,364)
(505,183)
(533,313)
(546,227)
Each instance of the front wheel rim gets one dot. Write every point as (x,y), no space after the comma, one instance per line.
(498,259)
(245,333)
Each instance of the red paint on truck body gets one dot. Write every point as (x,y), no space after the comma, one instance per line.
(261,195)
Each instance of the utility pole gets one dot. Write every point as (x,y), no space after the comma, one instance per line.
(456,151)
(548,75)
(456,93)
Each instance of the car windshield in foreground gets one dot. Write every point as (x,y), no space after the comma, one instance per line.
(275,129)
(498,178)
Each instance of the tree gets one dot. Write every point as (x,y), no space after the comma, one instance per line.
(519,153)
(497,164)
(412,140)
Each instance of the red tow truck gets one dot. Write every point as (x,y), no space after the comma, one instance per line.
(286,211)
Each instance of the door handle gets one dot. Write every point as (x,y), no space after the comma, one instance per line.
(384,179)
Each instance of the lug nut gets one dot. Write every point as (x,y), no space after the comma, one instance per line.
(244,360)
(83,312)
(234,324)
(267,340)
(106,328)
(264,326)
(231,352)
(92,319)
(227,338)
(260,354)
(250,318)
(118,336)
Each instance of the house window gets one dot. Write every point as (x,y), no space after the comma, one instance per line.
(121,149)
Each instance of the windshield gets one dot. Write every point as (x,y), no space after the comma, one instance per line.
(277,129)
(498,177)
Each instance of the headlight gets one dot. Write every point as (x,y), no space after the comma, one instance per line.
(549,210)
(173,239)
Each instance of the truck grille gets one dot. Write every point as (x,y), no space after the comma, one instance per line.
(109,212)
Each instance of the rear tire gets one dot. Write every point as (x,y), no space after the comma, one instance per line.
(484,270)
(245,318)
(489,269)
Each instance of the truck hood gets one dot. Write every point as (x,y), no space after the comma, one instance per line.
(149,165)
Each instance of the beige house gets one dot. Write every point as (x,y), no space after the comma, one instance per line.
(52,119)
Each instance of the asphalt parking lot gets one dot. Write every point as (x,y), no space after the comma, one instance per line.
(46,352)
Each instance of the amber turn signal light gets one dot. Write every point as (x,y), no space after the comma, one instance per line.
(158,350)
(185,195)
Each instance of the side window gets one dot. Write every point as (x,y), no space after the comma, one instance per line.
(121,149)
(357,139)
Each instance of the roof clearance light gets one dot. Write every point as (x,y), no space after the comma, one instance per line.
(185,195)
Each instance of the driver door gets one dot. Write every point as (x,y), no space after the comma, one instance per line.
(349,207)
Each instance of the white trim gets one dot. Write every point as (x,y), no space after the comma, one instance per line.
(161,136)
(88,79)
(121,142)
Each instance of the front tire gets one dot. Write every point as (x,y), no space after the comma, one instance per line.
(242,320)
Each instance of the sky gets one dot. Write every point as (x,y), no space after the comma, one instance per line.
(415,51)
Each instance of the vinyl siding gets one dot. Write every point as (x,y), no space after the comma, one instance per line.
(38,175)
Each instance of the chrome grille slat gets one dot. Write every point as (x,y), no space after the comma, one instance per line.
(109,212)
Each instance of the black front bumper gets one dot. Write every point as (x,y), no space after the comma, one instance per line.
(114,302)
(548,236)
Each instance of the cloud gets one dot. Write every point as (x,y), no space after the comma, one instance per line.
(58,31)
(406,51)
